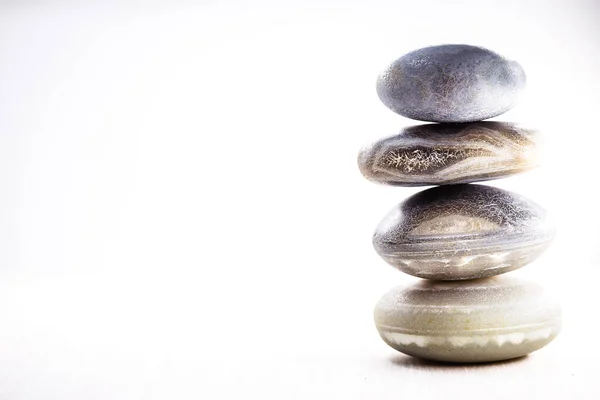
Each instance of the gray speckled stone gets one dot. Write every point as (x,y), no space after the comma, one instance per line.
(441,154)
(474,321)
(451,83)
(463,231)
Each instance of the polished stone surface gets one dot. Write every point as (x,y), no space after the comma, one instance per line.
(480,320)
(463,231)
(441,154)
(451,83)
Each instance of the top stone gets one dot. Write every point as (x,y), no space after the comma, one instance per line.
(451,83)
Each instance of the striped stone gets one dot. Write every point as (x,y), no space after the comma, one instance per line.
(464,231)
(442,154)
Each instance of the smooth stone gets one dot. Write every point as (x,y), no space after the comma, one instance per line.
(474,321)
(463,231)
(451,83)
(441,154)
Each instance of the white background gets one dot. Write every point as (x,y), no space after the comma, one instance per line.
(182,215)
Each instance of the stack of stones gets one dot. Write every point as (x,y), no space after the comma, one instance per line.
(459,236)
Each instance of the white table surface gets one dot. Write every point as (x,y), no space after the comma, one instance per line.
(182,215)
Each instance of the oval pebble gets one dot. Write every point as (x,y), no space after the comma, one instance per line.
(451,83)
(463,231)
(441,154)
(474,321)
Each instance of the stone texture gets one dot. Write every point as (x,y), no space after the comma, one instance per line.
(451,83)
(441,154)
(463,231)
(474,321)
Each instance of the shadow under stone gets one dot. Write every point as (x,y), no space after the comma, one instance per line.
(405,361)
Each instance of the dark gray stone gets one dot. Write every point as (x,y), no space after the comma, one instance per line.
(465,231)
(451,83)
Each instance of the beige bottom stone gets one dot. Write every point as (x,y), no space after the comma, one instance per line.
(471,321)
